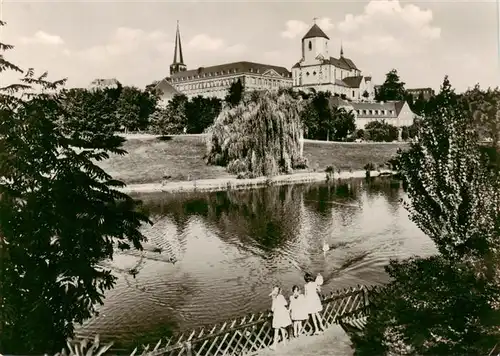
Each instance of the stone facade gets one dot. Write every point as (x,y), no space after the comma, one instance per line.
(319,71)
(215,81)
(396,113)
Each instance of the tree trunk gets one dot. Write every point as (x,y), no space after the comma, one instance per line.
(302,143)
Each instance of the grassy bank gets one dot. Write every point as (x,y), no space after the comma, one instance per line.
(180,158)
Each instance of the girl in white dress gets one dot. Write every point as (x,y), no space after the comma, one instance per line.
(281,315)
(313,301)
(298,310)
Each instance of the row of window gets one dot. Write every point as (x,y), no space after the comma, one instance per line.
(203,85)
(266,82)
(217,73)
(375,112)
(228,82)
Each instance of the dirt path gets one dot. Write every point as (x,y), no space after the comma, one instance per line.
(333,342)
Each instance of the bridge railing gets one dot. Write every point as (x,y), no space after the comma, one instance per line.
(247,335)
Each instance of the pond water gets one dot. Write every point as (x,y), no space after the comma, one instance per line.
(231,247)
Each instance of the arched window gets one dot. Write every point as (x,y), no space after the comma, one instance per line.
(310,45)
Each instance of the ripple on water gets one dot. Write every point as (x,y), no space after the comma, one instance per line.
(222,269)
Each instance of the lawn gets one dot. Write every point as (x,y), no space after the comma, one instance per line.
(180,158)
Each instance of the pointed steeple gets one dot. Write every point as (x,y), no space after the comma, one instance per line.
(315,31)
(341,50)
(178,63)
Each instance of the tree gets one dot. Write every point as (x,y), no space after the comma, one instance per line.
(235,93)
(261,136)
(484,106)
(201,113)
(317,116)
(60,217)
(344,123)
(448,304)
(419,104)
(432,306)
(134,108)
(91,113)
(380,131)
(151,87)
(172,119)
(366,95)
(392,89)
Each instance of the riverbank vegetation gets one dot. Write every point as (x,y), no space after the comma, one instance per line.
(181,158)
(446,304)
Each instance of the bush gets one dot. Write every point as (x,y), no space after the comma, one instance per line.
(237,166)
(380,131)
(330,169)
(300,163)
(369,167)
(427,309)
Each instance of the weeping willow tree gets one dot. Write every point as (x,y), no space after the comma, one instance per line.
(262,135)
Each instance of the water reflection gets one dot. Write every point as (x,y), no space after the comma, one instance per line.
(231,247)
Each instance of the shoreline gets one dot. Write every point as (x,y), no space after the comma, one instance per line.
(233,183)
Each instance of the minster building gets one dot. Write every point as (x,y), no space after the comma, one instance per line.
(215,81)
(319,71)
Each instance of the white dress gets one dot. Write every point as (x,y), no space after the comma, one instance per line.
(298,307)
(281,315)
(313,300)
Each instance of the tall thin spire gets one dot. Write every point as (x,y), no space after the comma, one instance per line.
(178,63)
(341,49)
(178,46)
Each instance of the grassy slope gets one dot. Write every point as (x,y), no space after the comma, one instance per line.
(149,159)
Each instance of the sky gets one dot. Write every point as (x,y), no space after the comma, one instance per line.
(133,41)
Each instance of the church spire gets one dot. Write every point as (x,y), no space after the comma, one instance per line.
(178,63)
(341,50)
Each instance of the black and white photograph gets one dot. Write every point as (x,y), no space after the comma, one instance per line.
(249,178)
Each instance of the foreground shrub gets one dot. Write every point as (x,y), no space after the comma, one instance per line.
(60,217)
(432,306)
(448,304)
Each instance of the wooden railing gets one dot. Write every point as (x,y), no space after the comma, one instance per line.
(248,335)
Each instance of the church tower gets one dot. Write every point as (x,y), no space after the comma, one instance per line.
(314,45)
(178,63)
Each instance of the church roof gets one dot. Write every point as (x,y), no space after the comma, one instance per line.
(343,62)
(398,106)
(231,68)
(315,32)
(336,101)
(353,82)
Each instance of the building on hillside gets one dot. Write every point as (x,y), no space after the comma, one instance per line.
(104,83)
(319,71)
(396,113)
(426,92)
(215,81)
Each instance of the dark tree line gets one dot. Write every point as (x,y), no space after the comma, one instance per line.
(325,122)
(194,115)
(126,109)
